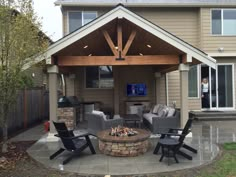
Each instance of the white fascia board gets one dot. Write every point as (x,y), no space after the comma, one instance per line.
(127,4)
(169,38)
(222,54)
(80,33)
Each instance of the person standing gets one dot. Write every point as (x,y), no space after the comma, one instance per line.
(205,93)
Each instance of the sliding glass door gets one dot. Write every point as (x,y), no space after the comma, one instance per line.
(225,86)
(220,85)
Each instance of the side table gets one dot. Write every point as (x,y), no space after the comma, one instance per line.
(169,146)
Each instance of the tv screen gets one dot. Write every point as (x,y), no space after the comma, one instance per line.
(138,89)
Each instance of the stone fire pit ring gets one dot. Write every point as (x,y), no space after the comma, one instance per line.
(123,146)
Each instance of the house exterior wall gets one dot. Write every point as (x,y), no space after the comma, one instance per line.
(211,43)
(37,75)
(140,74)
(99,10)
(193,25)
(174,92)
(103,95)
(182,22)
(136,74)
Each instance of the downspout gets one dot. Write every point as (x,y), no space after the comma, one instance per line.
(63,85)
(167,89)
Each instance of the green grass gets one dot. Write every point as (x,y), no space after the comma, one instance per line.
(229,146)
(226,166)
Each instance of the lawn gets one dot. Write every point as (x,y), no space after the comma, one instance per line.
(226,166)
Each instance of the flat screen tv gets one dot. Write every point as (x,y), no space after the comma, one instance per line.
(138,89)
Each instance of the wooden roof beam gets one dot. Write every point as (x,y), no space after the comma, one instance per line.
(119,37)
(129,42)
(111,60)
(110,42)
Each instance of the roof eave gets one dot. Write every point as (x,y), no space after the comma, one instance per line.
(146,4)
(121,12)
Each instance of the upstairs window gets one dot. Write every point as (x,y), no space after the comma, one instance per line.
(223,22)
(99,77)
(77,19)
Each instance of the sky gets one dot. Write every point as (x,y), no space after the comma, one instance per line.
(50,17)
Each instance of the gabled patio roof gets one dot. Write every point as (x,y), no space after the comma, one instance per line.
(122,13)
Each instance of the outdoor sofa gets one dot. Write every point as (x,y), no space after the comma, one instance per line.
(161,118)
(98,121)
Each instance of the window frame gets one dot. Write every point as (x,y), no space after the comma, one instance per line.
(198,83)
(82,15)
(222,19)
(99,77)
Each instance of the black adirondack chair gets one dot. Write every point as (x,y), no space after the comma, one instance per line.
(181,136)
(72,143)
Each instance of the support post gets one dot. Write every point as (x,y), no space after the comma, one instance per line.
(52,72)
(116,90)
(183,69)
(158,87)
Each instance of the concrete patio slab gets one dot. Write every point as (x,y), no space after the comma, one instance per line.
(205,136)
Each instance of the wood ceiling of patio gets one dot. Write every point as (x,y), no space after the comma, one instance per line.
(132,42)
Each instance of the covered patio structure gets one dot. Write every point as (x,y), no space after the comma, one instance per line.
(136,51)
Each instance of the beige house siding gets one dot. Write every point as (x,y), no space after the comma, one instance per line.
(174,92)
(195,103)
(65,10)
(182,22)
(39,76)
(136,74)
(70,85)
(210,43)
(173,80)
(163,90)
(127,74)
(105,96)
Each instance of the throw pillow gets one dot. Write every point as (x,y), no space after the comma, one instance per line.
(171,112)
(162,113)
(100,113)
(155,109)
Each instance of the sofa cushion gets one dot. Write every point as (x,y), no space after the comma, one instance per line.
(100,113)
(171,112)
(149,116)
(155,109)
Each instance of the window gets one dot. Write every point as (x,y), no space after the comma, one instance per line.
(223,21)
(79,18)
(193,81)
(99,77)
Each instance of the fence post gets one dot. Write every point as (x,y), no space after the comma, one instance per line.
(42,103)
(25,108)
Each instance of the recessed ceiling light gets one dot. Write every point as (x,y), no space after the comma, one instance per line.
(90,55)
(149,46)
(140,54)
(116,47)
(85,46)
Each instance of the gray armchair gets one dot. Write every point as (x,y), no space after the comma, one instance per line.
(97,123)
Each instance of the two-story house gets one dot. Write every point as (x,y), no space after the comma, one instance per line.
(165,48)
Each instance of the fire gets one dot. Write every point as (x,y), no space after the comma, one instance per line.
(122,131)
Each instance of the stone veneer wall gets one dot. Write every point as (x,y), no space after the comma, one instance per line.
(68,116)
(123,149)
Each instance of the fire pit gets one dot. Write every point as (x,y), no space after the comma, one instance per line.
(124,146)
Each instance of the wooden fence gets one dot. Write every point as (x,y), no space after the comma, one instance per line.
(32,106)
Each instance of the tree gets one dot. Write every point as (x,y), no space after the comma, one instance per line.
(20,40)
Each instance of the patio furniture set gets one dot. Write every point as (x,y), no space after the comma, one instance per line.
(171,139)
